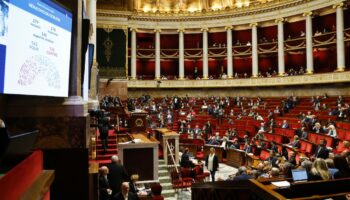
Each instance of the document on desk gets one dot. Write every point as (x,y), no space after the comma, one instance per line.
(281,184)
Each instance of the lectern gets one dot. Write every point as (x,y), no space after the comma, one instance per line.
(138,122)
(139,155)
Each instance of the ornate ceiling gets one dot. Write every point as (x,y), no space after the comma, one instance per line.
(180,6)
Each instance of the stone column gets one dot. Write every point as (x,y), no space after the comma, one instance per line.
(280,39)
(229,52)
(93,97)
(157,73)
(309,45)
(133,53)
(75,102)
(205,53)
(254,49)
(181,54)
(340,37)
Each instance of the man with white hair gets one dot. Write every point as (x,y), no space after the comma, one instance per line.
(242,174)
(331,131)
(125,193)
(117,174)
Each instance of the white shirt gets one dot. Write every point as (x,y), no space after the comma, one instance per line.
(210,161)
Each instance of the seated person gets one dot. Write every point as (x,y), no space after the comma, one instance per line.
(285,124)
(292,158)
(125,193)
(318,128)
(331,131)
(185,159)
(272,159)
(132,185)
(274,172)
(273,147)
(321,151)
(235,144)
(295,143)
(242,174)
(213,141)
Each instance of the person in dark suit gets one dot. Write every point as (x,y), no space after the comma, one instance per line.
(321,151)
(295,143)
(208,131)
(103,128)
(117,175)
(242,174)
(104,189)
(212,163)
(273,147)
(185,159)
(125,193)
(272,159)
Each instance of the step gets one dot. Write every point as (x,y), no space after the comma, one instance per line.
(104,156)
(111,146)
(161,162)
(167,186)
(164,179)
(108,151)
(161,167)
(168,193)
(163,172)
(114,136)
(109,142)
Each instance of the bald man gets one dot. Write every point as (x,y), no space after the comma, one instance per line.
(125,194)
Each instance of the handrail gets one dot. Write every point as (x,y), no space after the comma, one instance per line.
(172,156)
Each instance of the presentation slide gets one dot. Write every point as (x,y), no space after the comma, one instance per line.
(35,44)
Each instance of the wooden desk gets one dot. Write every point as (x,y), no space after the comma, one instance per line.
(306,190)
(218,151)
(235,158)
(192,148)
(139,155)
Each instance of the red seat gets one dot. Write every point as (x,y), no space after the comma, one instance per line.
(186,177)
(341,134)
(158,197)
(264,154)
(176,180)
(312,137)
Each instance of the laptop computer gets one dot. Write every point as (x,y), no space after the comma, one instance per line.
(299,175)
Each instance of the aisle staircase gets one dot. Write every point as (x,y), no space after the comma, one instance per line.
(105,158)
(165,181)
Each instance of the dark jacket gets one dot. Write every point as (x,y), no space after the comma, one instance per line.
(242,177)
(116,176)
(131,196)
(103,186)
(215,162)
(321,152)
